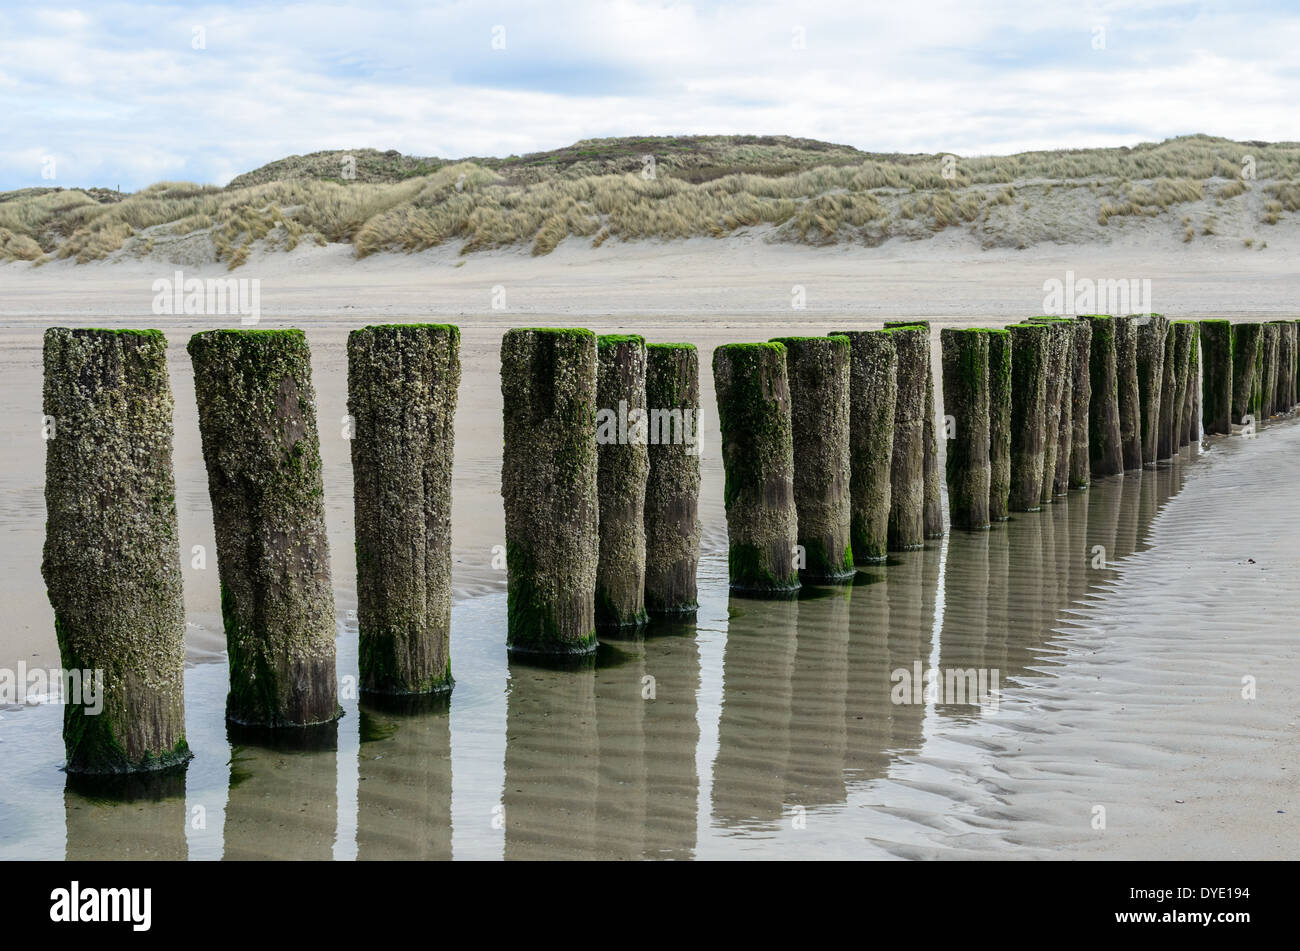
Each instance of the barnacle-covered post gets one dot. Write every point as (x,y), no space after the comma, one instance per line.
(257,419)
(403,381)
(1247,346)
(1216,348)
(999,422)
(1190,419)
(907,468)
(1105,446)
(672,495)
(112,557)
(622,435)
(753,395)
(1080,473)
(818,370)
(966,400)
(1268,386)
(873,397)
(549,473)
(1029,363)
(1057,425)
(1130,401)
(1155,393)
(1170,406)
(933,515)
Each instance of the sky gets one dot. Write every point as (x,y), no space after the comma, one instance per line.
(124,95)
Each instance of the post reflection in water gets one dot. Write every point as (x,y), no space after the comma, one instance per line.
(600,756)
(283,800)
(127,817)
(404,765)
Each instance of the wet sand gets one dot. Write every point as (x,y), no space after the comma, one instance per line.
(772,731)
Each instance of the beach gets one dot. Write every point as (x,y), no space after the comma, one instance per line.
(773,733)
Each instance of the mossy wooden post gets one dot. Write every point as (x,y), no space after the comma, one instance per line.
(1216,347)
(403,381)
(1190,419)
(1180,411)
(1268,392)
(1247,345)
(1059,402)
(1130,398)
(111,562)
(933,496)
(1294,373)
(907,468)
(1169,408)
(1080,473)
(873,399)
(549,474)
(622,436)
(257,419)
(1105,446)
(753,393)
(966,400)
(672,495)
(1285,366)
(1155,390)
(818,370)
(999,422)
(1030,346)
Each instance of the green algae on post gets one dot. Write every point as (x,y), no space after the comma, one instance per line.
(111,560)
(257,419)
(999,422)
(1080,473)
(1105,446)
(1029,362)
(403,381)
(753,394)
(1058,426)
(672,496)
(966,401)
(933,496)
(1167,426)
(1130,411)
(1216,388)
(622,436)
(818,370)
(1268,388)
(873,395)
(907,468)
(1190,425)
(549,474)
(1155,377)
(1247,345)
(1282,402)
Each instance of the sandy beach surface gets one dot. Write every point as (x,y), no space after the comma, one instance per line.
(1122,686)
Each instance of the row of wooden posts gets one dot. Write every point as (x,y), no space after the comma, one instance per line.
(829,447)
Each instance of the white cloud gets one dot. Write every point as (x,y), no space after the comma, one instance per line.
(125,95)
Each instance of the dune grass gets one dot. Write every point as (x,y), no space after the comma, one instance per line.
(798,190)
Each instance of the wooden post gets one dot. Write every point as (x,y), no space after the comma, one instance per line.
(818,369)
(257,418)
(753,394)
(112,557)
(672,495)
(549,486)
(966,400)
